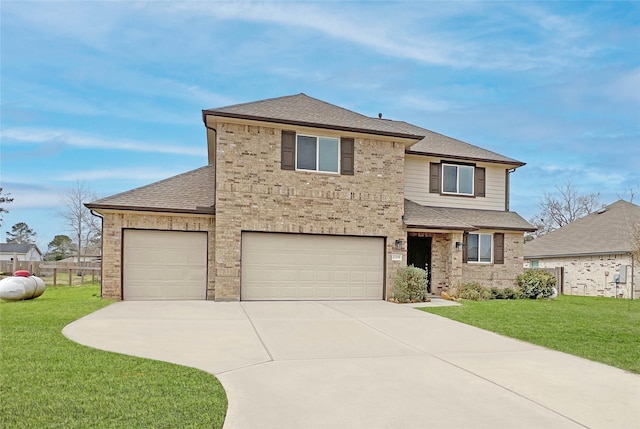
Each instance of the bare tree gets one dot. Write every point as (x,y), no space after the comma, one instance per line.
(632,192)
(4,199)
(563,207)
(79,218)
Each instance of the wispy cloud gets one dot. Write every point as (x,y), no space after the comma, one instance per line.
(86,141)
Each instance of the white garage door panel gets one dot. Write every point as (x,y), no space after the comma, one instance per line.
(164,265)
(307,267)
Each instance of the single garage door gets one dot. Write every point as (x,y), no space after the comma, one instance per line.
(164,265)
(311,267)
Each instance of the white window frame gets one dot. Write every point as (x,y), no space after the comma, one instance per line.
(457,166)
(478,261)
(317,170)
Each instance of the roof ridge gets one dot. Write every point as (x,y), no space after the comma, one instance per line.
(258,101)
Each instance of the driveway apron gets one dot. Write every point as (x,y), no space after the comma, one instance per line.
(365,364)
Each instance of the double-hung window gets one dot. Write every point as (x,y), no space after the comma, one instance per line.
(457,179)
(479,248)
(317,153)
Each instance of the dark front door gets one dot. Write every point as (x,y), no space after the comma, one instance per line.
(419,255)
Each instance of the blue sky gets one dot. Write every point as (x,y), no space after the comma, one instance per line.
(111,93)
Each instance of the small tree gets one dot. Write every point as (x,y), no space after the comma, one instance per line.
(60,247)
(4,200)
(84,225)
(21,233)
(563,207)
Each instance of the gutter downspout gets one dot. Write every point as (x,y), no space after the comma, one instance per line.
(96,214)
(508,188)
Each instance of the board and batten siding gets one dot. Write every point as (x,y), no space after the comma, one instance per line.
(416,186)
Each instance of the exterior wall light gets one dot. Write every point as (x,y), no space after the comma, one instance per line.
(458,245)
(399,245)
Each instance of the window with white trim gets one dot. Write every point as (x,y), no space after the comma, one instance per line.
(317,153)
(480,248)
(457,179)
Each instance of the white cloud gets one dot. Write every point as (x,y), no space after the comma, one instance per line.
(86,141)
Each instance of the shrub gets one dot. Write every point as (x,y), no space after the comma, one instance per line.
(536,283)
(473,291)
(505,293)
(410,285)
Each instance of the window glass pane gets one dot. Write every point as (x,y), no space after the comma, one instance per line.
(472,247)
(485,248)
(328,155)
(449,178)
(466,179)
(306,153)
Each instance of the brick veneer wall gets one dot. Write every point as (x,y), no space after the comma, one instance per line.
(499,275)
(254,194)
(593,275)
(114,222)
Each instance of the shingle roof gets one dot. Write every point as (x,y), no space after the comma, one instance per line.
(301,109)
(442,146)
(429,217)
(190,192)
(607,231)
(17,247)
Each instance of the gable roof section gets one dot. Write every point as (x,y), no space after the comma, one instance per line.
(303,110)
(445,218)
(190,192)
(438,145)
(603,232)
(21,248)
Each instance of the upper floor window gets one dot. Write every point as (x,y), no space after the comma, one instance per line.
(457,179)
(311,153)
(317,153)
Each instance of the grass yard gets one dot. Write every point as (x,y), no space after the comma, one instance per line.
(604,330)
(48,381)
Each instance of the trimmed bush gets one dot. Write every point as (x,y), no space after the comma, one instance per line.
(536,283)
(505,293)
(473,291)
(410,285)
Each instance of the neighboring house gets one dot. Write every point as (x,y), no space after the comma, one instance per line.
(302,199)
(592,255)
(24,252)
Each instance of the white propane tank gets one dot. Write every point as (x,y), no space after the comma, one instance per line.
(21,286)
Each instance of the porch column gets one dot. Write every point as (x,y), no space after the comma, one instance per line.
(455,259)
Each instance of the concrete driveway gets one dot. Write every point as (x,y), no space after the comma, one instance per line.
(365,365)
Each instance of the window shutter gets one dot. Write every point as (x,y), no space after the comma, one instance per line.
(288,151)
(434,178)
(464,247)
(347,155)
(479,182)
(498,248)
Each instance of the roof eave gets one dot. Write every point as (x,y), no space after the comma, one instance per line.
(310,124)
(197,210)
(466,158)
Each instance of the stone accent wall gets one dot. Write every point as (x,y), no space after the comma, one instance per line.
(594,275)
(499,275)
(254,194)
(114,222)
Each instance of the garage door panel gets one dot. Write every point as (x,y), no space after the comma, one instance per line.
(298,266)
(164,265)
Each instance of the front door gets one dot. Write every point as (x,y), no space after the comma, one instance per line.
(419,255)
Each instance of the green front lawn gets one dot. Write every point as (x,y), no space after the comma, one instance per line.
(49,381)
(605,330)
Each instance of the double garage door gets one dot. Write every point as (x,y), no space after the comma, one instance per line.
(311,267)
(172,265)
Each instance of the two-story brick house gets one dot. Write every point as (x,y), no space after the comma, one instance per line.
(304,200)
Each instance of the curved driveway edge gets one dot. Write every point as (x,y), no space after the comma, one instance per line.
(365,364)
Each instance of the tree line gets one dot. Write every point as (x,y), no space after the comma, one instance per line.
(85,227)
